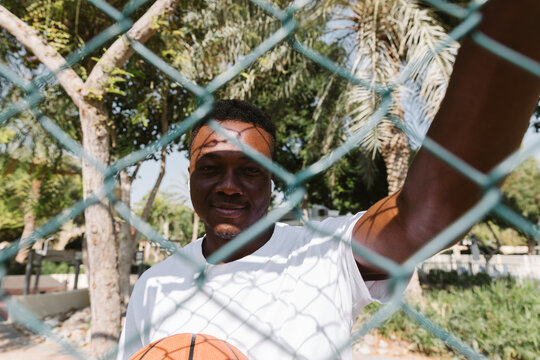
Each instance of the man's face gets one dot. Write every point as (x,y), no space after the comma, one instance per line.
(229,191)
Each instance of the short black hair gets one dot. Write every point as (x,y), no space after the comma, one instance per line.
(241,111)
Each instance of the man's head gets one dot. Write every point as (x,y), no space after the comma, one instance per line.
(229,191)
(241,111)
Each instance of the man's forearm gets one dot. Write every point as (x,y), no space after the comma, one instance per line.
(482,120)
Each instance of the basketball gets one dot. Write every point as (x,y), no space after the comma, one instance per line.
(189,347)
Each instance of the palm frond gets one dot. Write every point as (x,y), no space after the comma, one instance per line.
(398,46)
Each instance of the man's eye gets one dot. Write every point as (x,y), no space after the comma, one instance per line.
(252,170)
(207,169)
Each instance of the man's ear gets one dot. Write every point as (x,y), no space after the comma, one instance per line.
(189,167)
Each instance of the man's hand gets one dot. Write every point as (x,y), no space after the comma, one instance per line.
(482,120)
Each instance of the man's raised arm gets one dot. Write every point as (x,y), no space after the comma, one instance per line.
(482,120)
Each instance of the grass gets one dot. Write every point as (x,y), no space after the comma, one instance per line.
(500,319)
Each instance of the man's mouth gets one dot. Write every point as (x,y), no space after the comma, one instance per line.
(229,210)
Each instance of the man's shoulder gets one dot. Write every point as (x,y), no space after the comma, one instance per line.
(315,233)
(327,226)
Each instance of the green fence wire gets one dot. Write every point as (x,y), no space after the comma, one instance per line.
(469,19)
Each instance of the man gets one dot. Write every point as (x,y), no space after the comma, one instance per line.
(293,292)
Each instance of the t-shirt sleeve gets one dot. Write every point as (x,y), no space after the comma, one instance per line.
(363,292)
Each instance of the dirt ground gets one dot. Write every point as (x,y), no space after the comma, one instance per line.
(16,344)
(374,346)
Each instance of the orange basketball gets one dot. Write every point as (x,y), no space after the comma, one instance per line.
(189,347)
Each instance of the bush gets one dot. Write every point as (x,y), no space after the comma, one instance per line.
(507,236)
(441,279)
(14,268)
(499,319)
(50,267)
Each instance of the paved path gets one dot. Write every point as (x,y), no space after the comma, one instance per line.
(14,345)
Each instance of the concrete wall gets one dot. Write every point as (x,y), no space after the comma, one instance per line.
(42,305)
(14,284)
(55,300)
(518,266)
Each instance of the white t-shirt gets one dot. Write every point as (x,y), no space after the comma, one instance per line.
(296,297)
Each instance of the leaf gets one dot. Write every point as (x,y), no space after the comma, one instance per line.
(6,135)
(118,71)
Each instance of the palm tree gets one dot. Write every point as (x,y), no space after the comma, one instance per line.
(396,47)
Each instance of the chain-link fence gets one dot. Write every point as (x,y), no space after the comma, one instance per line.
(469,18)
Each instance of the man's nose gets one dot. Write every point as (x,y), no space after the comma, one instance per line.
(229,184)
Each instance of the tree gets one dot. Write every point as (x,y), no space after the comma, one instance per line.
(57,188)
(520,191)
(305,105)
(55,32)
(171,217)
(392,38)
(33,164)
(308,123)
(201,39)
(87,95)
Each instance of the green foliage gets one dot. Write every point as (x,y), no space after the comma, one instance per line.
(47,268)
(171,217)
(521,190)
(507,236)
(391,39)
(202,39)
(51,267)
(27,153)
(441,279)
(499,320)
(6,135)
(57,191)
(521,194)
(308,122)
(13,193)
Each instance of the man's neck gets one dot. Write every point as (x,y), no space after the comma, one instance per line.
(213,242)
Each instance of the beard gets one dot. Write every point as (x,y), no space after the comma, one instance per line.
(226,232)
(226,235)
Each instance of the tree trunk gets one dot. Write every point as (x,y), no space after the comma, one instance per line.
(531,245)
(29,220)
(85,261)
(395,152)
(497,240)
(100,236)
(196,219)
(127,244)
(165,229)
(150,202)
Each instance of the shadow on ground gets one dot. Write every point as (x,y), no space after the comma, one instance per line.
(11,338)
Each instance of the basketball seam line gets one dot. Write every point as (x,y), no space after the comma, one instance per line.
(234,353)
(157,342)
(192,346)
